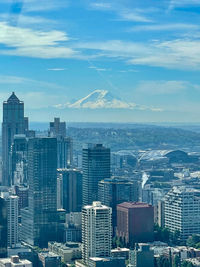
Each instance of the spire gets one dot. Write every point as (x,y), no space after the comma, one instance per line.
(13,98)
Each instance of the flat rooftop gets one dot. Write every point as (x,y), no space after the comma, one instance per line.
(130,205)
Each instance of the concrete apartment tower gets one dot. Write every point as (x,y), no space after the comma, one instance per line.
(96,231)
(182,211)
(12,219)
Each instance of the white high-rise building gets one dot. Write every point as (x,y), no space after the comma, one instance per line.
(182,211)
(96,231)
(12,215)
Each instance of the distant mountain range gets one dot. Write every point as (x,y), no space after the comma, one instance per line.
(102,99)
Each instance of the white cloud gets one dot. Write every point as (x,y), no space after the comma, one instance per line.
(181,3)
(175,54)
(133,16)
(24,20)
(101,5)
(123,13)
(165,27)
(162,87)
(15,80)
(34,43)
(56,69)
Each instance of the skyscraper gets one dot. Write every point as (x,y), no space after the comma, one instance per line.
(116,190)
(14,122)
(64,144)
(12,217)
(96,231)
(39,221)
(19,160)
(3,228)
(57,128)
(96,167)
(70,181)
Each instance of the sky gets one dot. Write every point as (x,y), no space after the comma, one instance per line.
(145,53)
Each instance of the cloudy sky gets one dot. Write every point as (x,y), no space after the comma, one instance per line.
(145,53)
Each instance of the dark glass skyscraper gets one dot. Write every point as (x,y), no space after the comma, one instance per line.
(96,167)
(14,122)
(64,144)
(70,189)
(39,221)
(116,190)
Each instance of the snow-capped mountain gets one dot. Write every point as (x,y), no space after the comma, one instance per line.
(101,99)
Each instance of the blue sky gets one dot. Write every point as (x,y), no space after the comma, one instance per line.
(145,52)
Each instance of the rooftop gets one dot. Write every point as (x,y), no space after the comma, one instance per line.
(130,205)
(13,98)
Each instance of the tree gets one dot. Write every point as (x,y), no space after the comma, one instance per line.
(175,237)
(176,261)
(162,261)
(161,233)
(187,264)
(193,241)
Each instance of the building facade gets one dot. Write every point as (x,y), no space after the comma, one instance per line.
(64,144)
(19,160)
(96,167)
(3,228)
(96,231)
(13,123)
(182,211)
(142,256)
(116,190)
(12,219)
(70,191)
(39,220)
(135,222)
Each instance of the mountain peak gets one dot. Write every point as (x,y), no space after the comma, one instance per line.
(102,99)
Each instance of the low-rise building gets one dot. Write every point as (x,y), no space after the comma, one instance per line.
(142,256)
(14,261)
(120,253)
(49,259)
(68,251)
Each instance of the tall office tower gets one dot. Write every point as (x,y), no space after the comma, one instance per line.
(116,190)
(71,189)
(12,217)
(64,152)
(19,160)
(182,211)
(96,167)
(14,122)
(3,228)
(57,128)
(135,222)
(96,231)
(39,220)
(64,144)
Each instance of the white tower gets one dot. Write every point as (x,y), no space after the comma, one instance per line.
(182,211)
(96,231)
(12,215)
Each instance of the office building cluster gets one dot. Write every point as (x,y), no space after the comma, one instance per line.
(54,212)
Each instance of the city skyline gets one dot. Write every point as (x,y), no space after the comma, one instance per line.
(143,53)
